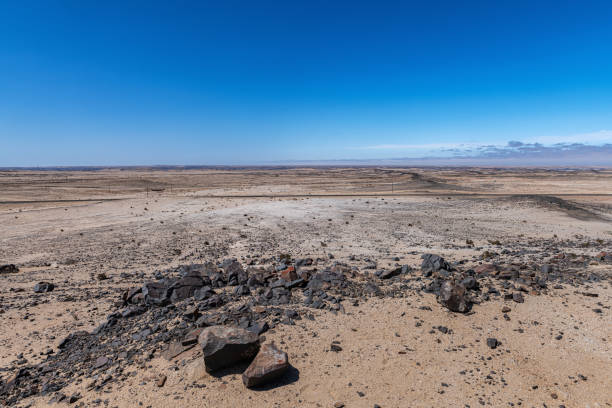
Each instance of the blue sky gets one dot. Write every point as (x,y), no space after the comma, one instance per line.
(147,82)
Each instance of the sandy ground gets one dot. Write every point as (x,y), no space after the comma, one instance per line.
(67,227)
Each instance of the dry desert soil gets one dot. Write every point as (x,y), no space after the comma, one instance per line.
(365,317)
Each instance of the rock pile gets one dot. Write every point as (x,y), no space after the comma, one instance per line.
(225,307)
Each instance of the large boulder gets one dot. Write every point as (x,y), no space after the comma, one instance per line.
(269,364)
(454,297)
(225,346)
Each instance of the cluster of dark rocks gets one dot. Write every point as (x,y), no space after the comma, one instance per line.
(168,316)
(225,308)
(458,288)
(8,268)
(225,346)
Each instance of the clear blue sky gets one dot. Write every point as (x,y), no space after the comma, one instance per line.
(225,82)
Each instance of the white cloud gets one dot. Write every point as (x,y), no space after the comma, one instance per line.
(419,146)
(601,136)
(592,138)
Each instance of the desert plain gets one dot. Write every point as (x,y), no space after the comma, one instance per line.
(364,321)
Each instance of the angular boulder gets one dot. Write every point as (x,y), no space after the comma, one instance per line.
(269,364)
(454,297)
(156,293)
(234,273)
(433,263)
(225,346)
(185,287)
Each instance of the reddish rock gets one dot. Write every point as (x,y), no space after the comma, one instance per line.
(454,297)
(289,274)
(485,269)
(161,380)
(269,364)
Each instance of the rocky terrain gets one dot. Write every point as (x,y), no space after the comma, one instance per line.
(306,287)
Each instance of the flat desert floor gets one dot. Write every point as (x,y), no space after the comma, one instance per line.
(537,243)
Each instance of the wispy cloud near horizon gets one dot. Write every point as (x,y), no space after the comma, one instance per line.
(577,149)
(418,146)
(541,144)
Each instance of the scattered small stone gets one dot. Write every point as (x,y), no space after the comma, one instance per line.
(492,343)
(43,287)
(161,380)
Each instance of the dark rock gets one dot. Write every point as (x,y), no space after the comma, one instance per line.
(547,269)
(469,283)
(303,262)
(492,343)
(157,293)
(224,346)
(269,364)
(234,273)
(518,297)
(192,313)
(128,296)
(132,311)
(394,272)
(253,282)
(191,337)
(242,290)
(8,268)
(203,293)
(43,287)
(259,327)
(185,287)
(101,362)
(72,337)
(453,296)
(433,263)
(298,283)
(74,398)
